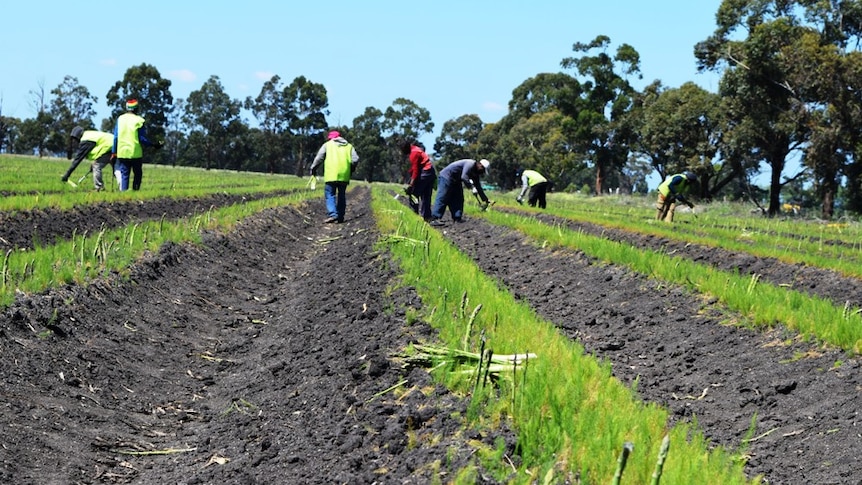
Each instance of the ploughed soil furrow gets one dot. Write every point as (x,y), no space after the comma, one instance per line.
(679,351)
(260,357)
(26,229)
(820,282)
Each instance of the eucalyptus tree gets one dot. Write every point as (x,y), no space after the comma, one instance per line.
(604,96)
(824,67)
(71,106)
(367,138)
(209,114)
(239,153)
(680,129)
(554,93)
(404,119)
(458,139)
(6,127)
(32,134)
(10,129)
(814,71)
(268,109)
(176,134)
(541,93)
(38,134)
(144,83)
(539,142)
(850,114)
(767,121)
(305,104)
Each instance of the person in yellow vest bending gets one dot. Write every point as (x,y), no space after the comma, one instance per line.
(96,147)
(672,190)
(339,160)
(130,136)
(537,184)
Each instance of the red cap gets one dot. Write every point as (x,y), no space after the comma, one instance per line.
(333,134)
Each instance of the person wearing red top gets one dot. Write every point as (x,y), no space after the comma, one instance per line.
(423,175)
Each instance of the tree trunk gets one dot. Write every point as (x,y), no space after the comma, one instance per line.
(828,208)
(600,176)
(853,171)
(774,192)
(776,159)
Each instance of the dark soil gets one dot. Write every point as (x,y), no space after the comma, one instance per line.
(807,279)
(260,357)
(27,229)
(682,354)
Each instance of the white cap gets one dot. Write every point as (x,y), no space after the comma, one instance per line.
(486,164)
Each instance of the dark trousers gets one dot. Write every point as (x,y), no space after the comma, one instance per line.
(451,195)
(423,189)
(537,195)
(137,172)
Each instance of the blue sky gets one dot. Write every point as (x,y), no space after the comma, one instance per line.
(450,57)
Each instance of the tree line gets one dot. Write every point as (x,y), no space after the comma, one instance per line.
(790,89)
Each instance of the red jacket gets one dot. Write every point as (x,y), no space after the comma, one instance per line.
(419,161)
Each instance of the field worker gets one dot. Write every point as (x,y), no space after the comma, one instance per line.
(538,186)
(339,160)
(422,176)
(672,190)
(449,188)
(96,146)
(130,136)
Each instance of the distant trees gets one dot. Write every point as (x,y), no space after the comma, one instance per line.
(790,85)
(600,110)
(367,138)
(790,88)
(72,106)
(211,116)
(306,106)
(268,108)
(458,138)
(155,101)
(678,129)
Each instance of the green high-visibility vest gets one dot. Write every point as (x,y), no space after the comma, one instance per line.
(336,165)
(128,144)
(104,142)
(534,177)
(681,187)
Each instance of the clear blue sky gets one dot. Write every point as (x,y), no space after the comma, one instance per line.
(450,57)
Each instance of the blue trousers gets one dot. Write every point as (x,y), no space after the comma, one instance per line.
(451,195)
(336,199)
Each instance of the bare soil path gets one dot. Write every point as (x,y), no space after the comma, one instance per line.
(260,357)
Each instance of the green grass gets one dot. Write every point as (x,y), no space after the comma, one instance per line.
(761,303)
(571,416)
(30,182)
(85,257)
(832,246)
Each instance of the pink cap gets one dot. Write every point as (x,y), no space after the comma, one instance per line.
(333,134)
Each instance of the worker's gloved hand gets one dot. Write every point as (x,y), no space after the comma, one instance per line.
(475,191)
(408,189)
(113,157)
(520,200)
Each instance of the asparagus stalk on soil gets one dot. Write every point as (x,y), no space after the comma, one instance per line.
(662,455)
